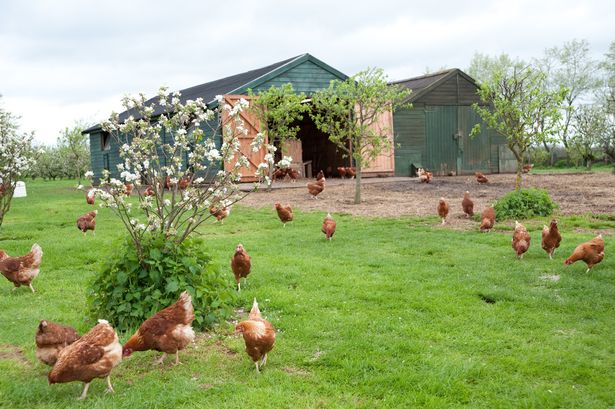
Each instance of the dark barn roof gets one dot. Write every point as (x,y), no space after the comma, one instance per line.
(425,83)
(234,84)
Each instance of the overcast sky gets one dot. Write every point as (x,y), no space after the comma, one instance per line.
(63,61)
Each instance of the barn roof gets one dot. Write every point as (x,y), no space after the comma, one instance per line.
(425,83)
(235,84)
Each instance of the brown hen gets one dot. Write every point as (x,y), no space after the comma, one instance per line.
(51,338)
(93,355)
(520,239)
(258,335)
(443,209)
(591,252)
(167,331)
(551,238)
(87,222)
(467,205)
(241,264)
(328,226)
(285,213)
(21,270)
(487,219)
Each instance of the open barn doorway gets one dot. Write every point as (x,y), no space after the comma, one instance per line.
(316,150)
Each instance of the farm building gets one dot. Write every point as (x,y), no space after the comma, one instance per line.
(312,150)
(434,133)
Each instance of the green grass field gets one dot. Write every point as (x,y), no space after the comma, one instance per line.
(391,313)
(596,168)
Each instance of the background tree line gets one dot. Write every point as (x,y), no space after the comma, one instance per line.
(69,157)
(577,124)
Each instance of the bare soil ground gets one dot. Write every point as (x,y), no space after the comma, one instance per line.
(391,197)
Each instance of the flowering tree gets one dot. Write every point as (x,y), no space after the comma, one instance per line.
(15,158)
(175,165)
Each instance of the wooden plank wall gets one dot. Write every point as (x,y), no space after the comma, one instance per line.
(384,164)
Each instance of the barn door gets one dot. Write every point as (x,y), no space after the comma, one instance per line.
(252,125)
(442,147)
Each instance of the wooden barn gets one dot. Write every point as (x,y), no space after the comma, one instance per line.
(434,133)
(311,152)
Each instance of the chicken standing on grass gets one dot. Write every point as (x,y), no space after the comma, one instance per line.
(328,226)
(487,219)
(443,209)
(51,338)
(220,213)
(241,264)
(93,355)
(258,335)
(167,331)
(22,270)
(87,222)
(591,252)
(520,239)
(90,196)
(285,213)
(551,238)
(467,205)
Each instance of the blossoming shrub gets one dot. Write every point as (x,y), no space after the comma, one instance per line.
(172,174)
(15,159)
(127,292)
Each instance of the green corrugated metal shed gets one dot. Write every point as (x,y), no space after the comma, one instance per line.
(434,134)
(305,72)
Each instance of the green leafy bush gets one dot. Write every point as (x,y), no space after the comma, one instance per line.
(524,204)
(126,293)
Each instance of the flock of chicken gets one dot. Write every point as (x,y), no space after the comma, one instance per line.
(95,354)
(590,252)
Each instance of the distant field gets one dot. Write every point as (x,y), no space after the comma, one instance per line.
(598,168)
(393,312)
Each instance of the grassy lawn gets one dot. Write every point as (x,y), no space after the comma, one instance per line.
(596,168)
(391,313)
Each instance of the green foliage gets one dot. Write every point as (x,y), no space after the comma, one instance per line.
(126,292)
(524,204)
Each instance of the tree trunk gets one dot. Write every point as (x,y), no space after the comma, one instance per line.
(519,173)
(357,185)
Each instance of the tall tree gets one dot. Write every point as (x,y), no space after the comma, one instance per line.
(516,104)
(607,97)
(278,110)
(589,126)
(76,150)
(572,67)
(483,67)
(349,111)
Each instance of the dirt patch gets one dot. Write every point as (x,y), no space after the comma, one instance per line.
(12,352)
(391,197)
(295,371)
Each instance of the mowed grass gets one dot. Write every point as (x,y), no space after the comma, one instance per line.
(391,313)
(596,168)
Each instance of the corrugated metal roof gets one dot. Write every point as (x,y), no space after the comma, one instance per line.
(422,84)
(227,85)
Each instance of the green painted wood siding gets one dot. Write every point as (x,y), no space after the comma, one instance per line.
(306,77)
(409,129)
(441,148)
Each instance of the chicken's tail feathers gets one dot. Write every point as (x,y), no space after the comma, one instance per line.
(101,321)
(255,312)
(37,252)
